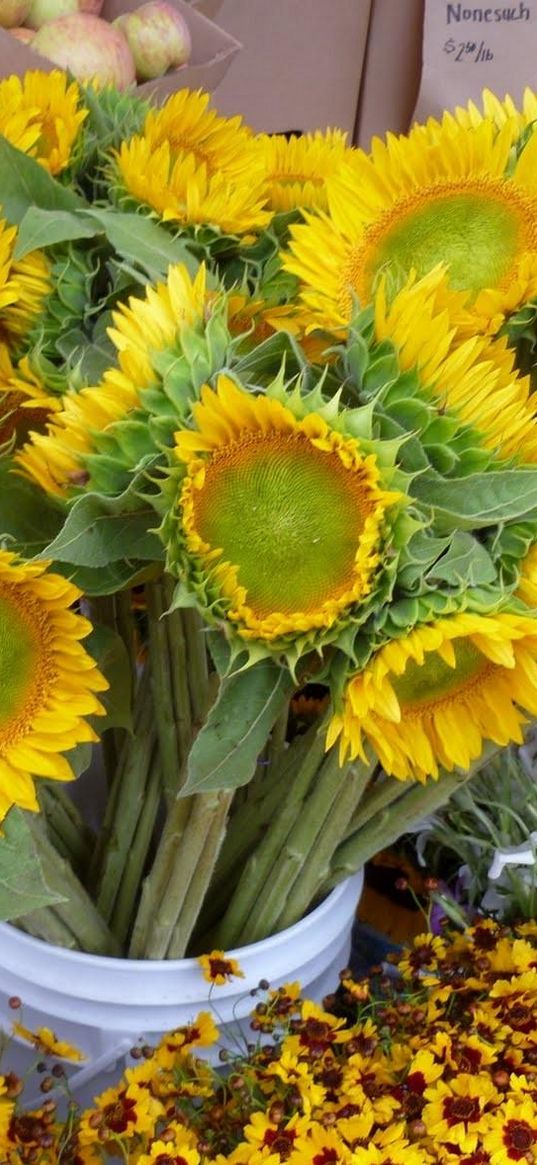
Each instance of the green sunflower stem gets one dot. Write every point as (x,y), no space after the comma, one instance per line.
(48,926)
(260,866)
(78,913)
(136,856)
(329,805)
(384,829)
(381,794)
(276,744)
(201,877)
(353,779)
(193,825)
(169,667)
(66,828)
(154,886)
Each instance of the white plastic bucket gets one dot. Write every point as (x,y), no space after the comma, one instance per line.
(105,1005)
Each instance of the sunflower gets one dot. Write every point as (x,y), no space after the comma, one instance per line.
(445,197)
(41,114)
(48,679)
(498,111)
(474,377)
(433,697)
(297,168)
(142,330)
(24,403)
(193,167)
(281,513)
(24,284)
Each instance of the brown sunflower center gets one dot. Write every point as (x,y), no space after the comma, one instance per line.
(288,516)
(477,228)
(26,666)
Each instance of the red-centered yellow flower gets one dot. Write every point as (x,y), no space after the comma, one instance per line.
(41,114)
(194,167)
(316,1029)
(120,1112)
(46,1042)
(219,969)
(277,564)
(7,1108)
(176,1151)
(202,1033)
(458,1112)
(423,957)
(48,679)
(513,1132)
(515,1003)
(292,1070)
(142,330)
(397,1152)
(446,197)
(432,698)
(274,1140)
(320,1146)
(296,169)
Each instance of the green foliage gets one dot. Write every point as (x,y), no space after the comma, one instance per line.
(225,752)
(23,887)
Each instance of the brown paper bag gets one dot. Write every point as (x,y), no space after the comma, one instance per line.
(392,67)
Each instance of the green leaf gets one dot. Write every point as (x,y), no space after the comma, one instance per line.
(110,653)
(224,754)
(100,530)
(466,561)
(478,500)
(266,358)
(26,184)
(43,228)
(105,580)
(144,243)
(22,883)
(28,517)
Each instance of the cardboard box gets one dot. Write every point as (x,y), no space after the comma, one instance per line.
(392,69)
(212,53)
(301,62)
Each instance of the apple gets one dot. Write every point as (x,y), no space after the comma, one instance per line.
(26,35)
(13,12)
(158,38)
(89,48)
(42,12)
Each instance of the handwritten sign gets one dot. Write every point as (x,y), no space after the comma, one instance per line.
(469,47)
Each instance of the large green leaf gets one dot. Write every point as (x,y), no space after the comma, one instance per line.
(466,561)
(143,242)
(26,184)
(22,884)
(99,530)
(478,500)
(43,228)
(28,517)
(225,753)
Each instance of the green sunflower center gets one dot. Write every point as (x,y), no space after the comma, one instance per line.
(435,680)
(288,516)
(19,650)
(476,234)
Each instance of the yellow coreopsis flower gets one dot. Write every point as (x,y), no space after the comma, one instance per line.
(218,968)
(46,1042)
(513,1132)
(457,1112)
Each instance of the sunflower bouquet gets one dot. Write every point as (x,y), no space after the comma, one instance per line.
(268,506)
(433,1066)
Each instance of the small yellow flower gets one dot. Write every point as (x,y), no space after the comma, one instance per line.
(202,1033)
(170,1152)
(46,1042)
(513,1132)
(457,1112)
(120,1112)
(218,968)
